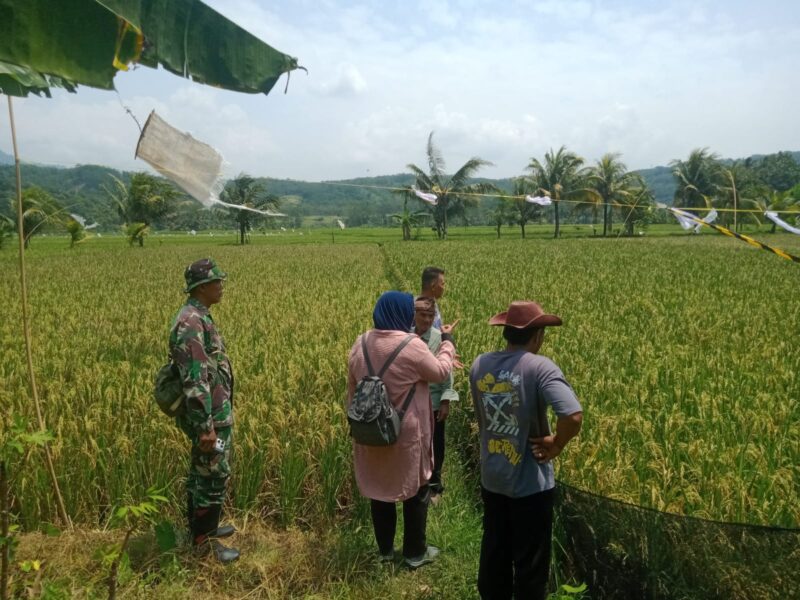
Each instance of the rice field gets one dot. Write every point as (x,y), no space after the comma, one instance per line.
(682,350)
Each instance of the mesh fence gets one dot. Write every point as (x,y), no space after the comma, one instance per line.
(625,551)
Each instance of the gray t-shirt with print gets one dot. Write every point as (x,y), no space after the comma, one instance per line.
(511,392)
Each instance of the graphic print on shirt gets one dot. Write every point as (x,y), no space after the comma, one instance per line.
(500,403)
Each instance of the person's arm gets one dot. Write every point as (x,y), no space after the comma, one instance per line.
(555,391)
(189,356)
(550,446)
(435,369)
(448,395)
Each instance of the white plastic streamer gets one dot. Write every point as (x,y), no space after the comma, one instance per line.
(82,221)
(426,196)
(773,216)
(540,200)
(709,218)
(686,218)
(196,167)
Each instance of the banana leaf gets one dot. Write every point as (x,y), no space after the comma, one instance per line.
(86,42)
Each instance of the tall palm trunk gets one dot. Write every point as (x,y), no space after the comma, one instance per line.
(444,221)
(557,230)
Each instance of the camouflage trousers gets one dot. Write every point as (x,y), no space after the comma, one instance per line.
(208,472)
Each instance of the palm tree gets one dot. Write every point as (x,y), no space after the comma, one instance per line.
(639,208)
(76,230)
(518,211)
(772,200)
(138,204)
(560,177)
(453,192)
(407,218)
(6,227)
(245,190)
(696,178)
(38,209)
(614,184)
(737,187)
(502,214)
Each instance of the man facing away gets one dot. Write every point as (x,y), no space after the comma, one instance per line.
(511,390)
(198,351)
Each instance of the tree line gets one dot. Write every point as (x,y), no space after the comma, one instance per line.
(604,191)
(605,194)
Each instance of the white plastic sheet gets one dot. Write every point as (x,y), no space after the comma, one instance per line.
(773,216)
(426,196)
(540,200)
(686,219)
(193,165)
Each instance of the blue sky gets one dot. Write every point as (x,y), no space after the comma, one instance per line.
(505,81)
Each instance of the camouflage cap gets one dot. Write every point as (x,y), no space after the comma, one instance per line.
(202,271)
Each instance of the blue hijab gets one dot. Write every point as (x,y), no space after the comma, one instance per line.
(394,310)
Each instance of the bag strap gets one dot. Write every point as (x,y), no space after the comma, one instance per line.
(366,355)
(389,361)
(394,354)
(407,401)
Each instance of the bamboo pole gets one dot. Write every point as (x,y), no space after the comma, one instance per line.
(62,511)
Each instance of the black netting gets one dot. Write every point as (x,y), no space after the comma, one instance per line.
(625,551)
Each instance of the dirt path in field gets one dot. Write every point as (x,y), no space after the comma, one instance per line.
(393,276)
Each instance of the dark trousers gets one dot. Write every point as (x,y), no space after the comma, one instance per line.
(415,517)
(515,550)
(438,454)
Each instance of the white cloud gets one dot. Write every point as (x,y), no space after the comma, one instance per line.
(504,81)
(348,81)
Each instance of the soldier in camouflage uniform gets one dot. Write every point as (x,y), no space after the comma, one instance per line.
(198,351)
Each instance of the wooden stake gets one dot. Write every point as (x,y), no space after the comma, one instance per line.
(62,511)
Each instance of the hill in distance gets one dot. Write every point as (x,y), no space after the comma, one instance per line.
(362,200)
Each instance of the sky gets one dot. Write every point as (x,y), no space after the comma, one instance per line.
(503,81)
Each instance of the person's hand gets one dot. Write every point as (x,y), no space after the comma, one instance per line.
(444,411)
(206,441)
(544,448)
(449,328)
(457,364)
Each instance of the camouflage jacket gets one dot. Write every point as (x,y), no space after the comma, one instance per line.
(197,349)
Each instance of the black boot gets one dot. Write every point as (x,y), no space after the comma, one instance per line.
(222,531)
(204,524)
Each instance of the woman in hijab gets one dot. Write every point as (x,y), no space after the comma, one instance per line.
(400,472)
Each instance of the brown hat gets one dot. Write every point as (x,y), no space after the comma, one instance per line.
(523,314)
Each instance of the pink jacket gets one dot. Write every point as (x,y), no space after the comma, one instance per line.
(395,473)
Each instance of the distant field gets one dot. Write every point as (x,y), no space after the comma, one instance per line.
(682,349)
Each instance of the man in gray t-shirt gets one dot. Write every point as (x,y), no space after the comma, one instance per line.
(511,390)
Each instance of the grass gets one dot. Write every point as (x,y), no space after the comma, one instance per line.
(680,348)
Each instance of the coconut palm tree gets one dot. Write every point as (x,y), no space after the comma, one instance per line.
(453,192)
(245,190)
(6,227)
(613,184)
(737,187)
(638,211)
(561,177)
(142,201)
(76,230)
(38,209)
(409,219)
(696,179)
(772,200)
(518,211)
